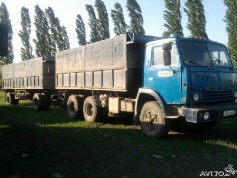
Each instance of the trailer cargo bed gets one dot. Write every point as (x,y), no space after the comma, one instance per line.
(37,73)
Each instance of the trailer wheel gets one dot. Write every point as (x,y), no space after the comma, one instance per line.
(152,122)
(74,106)
(38,101)
(90,110)
(10,99)
(45,101)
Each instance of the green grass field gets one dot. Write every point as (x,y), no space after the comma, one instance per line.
(45,144)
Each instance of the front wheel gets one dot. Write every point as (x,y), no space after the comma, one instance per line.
(152,122)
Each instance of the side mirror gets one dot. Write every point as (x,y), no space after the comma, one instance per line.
(167,46)
(3,40)
(167,58)
(166,53)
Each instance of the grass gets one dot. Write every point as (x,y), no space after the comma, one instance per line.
(45,144)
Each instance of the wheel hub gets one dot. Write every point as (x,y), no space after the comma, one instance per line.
(150,117)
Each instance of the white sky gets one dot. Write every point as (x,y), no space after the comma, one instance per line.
(152,11)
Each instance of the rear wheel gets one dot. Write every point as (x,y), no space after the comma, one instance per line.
(74,106)
(91,110)
(152,122)
(38,101)
(10,99)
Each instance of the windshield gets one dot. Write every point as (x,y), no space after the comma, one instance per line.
(204,54)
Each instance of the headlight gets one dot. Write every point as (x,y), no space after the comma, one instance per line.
(195,97)
(206,116)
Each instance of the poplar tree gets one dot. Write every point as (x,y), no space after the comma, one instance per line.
(24,33)
(172,16)
(58,35)
(118,19)
(196,18)
(80,30)
(103,19)
(231,27)
(4,18)
(136,18)
(93,24)
(43,44)
(65,38)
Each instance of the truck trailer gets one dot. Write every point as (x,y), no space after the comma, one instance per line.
(155,79)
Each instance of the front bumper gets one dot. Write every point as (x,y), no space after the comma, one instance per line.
(215,112)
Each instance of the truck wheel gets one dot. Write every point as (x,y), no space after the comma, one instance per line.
(74,106)
(90,110)
(10,99)
(45,101)
(38,101)
(152,122)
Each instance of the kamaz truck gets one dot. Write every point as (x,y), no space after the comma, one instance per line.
(158,80)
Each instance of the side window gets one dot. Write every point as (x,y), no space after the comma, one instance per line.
(157,56)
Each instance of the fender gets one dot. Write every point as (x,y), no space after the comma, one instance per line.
(155,96)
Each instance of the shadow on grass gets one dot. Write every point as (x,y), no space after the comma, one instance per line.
(45,144)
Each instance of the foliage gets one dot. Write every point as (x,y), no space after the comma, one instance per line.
(103,19)
(26,50)
(196,18)
(58,34)
(231,27)
(93,24)
(4,18)
(118,19)
(80,30)
(136,18)
(43,43)
(172,16)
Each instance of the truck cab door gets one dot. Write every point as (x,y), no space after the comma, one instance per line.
(163,76)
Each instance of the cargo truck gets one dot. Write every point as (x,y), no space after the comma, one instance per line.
(156,79)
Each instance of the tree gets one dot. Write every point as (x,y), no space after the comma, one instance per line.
(118,19)
(172,16)
(80,30)
(25,35)
(231,27)
(43,44)
(103,20)
(65,38)
(4,18)
(58,34)
(93,24)
(136,19)
(196,18)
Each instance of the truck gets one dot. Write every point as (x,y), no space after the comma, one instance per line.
(157,80)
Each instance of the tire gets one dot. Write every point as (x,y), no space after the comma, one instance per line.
(90,110)
(74,106)
(152,122)
(38,101)
(10,99)
(46,102)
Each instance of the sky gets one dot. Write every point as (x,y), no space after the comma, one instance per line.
(152,11)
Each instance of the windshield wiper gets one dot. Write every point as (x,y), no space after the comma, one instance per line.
(193,62)
(200,64)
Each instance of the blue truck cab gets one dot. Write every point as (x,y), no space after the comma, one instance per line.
(187,78)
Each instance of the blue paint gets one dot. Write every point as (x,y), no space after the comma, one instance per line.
(198,66)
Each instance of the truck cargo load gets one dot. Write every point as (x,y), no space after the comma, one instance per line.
(105,65)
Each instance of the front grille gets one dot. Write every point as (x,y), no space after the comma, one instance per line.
(217,95)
